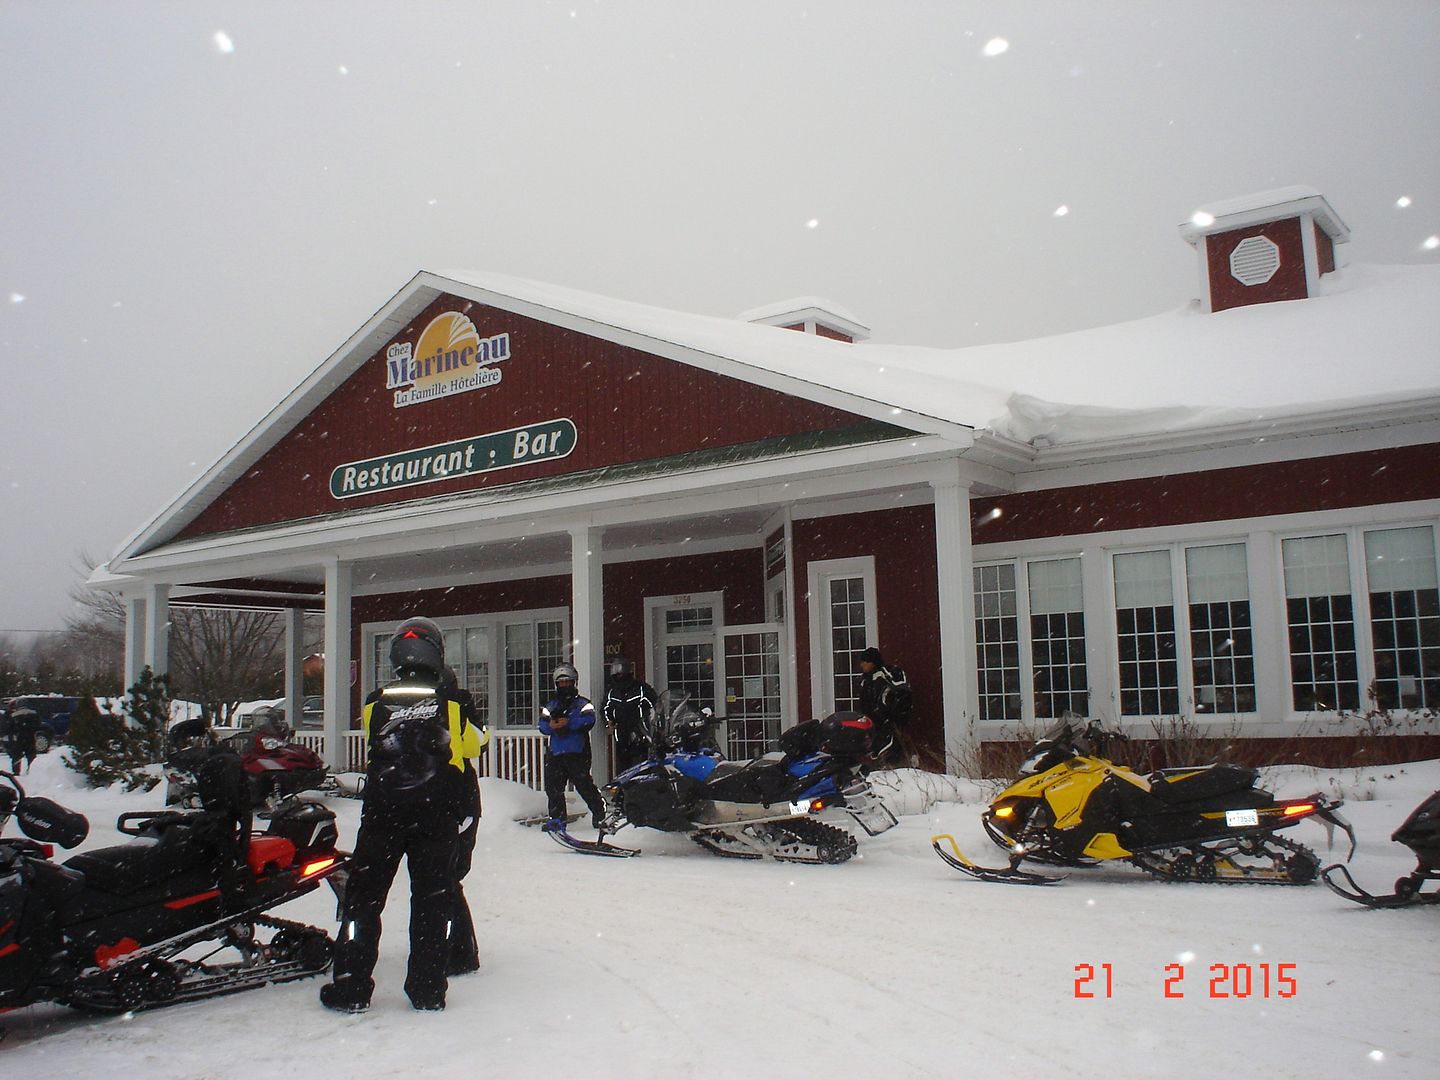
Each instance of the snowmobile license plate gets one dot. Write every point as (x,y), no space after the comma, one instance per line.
(801,807)
(1234,818)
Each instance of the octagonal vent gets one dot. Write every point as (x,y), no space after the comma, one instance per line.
(1254,260)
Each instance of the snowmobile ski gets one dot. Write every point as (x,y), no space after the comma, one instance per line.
(1407,890)
(591,847)
(1010,875)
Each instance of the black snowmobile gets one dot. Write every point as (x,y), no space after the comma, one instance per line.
(1421,834)
(138,925)
(751,809)
(1072,805)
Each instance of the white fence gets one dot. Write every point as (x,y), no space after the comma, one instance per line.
(512,755)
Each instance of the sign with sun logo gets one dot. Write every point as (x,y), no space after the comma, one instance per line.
(448,358)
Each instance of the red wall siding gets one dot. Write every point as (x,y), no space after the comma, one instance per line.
(1284,487)
(1288,282)
(627,406)
(907,612)
(627,584)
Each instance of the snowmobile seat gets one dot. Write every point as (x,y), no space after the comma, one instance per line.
(128,868)
(1193,785)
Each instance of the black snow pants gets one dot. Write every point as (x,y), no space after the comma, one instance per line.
(463,955)
(562,769)
(428,841)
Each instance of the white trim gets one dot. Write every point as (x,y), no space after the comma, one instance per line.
(1311,254)
(818,575)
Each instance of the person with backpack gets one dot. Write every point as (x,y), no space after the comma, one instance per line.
(415,805)
(24,726)
(885,697)
(567,719)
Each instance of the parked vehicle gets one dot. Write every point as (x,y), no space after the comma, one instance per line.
(139,924)
(751,809)
(1071,805)
(1420,832)
(54,711)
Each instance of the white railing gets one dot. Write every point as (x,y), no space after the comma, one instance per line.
(512,755)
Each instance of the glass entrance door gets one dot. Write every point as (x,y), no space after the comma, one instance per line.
(753,690)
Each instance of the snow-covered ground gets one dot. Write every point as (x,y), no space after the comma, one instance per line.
(679,964)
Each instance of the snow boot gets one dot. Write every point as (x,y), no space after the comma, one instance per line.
(344,996)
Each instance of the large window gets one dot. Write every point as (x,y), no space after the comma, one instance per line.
(1404,617)
(1057,638)
(505,661)
(1222,649)
(1320,613)
(1145,634)
(842,624)
(846,597)
(997,642)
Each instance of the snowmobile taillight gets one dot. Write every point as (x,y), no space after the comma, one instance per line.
(47,851)
(1296,809)
(310,869)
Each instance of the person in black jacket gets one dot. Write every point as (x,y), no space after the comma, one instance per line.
(415,804)
(24,726)
(629,712)
(885,698)
(463,956)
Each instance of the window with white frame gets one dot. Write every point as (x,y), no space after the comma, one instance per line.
(842,623)
(997,642)
(1404,616)
(1057,637)
(531,645)
(1222,648)
(1145,634)
(1320,615)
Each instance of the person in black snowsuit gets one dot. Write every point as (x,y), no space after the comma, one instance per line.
(415,805)
(885,698)
(24,726)
(463,956)
(567,719)
(629,712)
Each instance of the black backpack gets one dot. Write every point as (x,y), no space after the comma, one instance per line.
(900,699)
(409,746)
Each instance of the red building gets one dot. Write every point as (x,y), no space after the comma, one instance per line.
(1225,514)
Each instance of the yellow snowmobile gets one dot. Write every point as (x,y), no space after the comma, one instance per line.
(1073,806)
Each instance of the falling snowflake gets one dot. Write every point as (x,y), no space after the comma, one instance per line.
(813,223)
(17,298)
(1061,210)
(995,46)
(1431,243)
(1403,201)
(1202,219)
(223,43)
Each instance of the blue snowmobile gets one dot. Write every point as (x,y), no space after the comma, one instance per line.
(749,809)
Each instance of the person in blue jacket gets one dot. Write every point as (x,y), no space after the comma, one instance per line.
(567,718)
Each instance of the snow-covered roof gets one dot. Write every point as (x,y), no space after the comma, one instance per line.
(1369,340)
(1243,210)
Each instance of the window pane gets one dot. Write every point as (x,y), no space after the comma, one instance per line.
(997,636)
(1057,637)
(847,625)
(1142,579)
(1216,574)
(1322,649)
(1404,617)
(520,704)
(475,674)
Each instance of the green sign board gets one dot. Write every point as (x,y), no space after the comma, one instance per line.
(446,461)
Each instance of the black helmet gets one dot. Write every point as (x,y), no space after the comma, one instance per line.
(418,646)
(621,668)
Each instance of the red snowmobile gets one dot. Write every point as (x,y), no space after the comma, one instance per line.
(140,924)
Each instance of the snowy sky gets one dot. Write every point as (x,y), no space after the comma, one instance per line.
(202,200)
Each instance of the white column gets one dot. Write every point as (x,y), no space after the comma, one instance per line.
(1270,629)
(157,628)
(587,624)
(955,568)
(337,660)
(294,666)
(1100,662)
(134,638)
(790,657)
